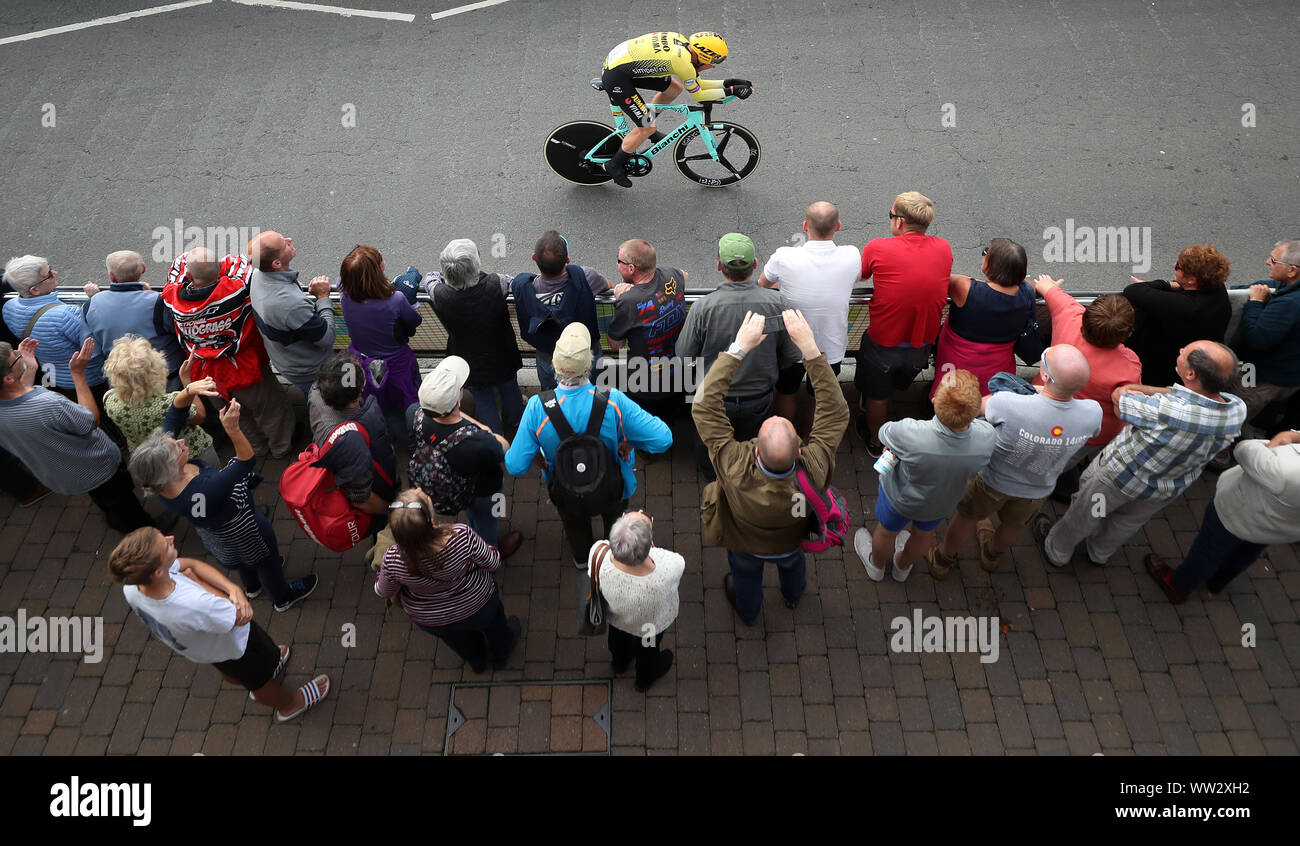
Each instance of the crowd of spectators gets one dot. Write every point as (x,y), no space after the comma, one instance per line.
(1134,396)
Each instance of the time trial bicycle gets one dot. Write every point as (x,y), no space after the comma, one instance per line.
(712,153)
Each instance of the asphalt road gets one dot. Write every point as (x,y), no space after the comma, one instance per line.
(1107,113)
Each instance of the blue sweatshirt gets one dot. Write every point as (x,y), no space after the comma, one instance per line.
(625,421)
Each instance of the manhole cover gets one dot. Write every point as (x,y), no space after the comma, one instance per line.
(527,718)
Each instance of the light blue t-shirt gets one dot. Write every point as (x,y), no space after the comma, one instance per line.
(1037,438)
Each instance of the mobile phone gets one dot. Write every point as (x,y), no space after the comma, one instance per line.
(773,323)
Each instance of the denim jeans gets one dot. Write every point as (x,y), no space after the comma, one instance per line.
(747,578)
(1217,556)
(512,405)
(479,517)
(305,387)
(545,372)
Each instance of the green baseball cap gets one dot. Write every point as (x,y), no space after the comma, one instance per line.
(736,251)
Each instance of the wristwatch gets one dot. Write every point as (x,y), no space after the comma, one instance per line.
(737,350)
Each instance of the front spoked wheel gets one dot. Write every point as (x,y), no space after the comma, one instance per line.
(738,154)
(566,149)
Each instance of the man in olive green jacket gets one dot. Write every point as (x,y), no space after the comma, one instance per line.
(753,509)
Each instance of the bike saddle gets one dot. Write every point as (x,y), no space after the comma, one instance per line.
(596,84)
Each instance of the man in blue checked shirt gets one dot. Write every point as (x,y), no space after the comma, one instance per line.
(1172,433)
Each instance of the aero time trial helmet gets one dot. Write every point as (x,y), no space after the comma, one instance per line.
(709,47)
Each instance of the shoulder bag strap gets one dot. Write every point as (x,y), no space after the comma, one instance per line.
(601,555)
(31,324)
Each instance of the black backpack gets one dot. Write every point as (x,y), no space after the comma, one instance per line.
(585,478)
(432,473)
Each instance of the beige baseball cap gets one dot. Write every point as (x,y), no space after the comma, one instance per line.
(440,390)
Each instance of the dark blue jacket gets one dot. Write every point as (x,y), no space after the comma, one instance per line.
(1270,337)
(541,326)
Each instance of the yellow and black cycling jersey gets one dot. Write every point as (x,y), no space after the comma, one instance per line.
(662,54)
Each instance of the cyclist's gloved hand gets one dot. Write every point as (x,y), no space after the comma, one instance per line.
(741,91)
(728,83)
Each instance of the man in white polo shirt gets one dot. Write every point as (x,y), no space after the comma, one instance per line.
(817,279)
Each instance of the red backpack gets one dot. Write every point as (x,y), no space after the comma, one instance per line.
(316,501)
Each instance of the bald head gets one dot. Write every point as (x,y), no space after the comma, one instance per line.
(1068,369)
(778,444)
(1206,367)
(201,265)
(823,220)
(270,251)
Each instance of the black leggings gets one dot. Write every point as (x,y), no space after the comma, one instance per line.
(483,633)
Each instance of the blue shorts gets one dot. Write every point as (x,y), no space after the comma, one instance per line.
(895,522)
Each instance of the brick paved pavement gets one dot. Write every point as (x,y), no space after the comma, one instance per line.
(1092,660)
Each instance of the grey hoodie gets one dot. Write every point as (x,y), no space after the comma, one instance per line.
(299,331)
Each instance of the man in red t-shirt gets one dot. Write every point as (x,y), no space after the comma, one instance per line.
(1098,332)
(909,272)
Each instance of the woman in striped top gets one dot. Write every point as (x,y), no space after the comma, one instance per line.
(441,574)
(218,502)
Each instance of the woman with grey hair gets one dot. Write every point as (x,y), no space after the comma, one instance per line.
(471,304)
(639,581)
(219,504)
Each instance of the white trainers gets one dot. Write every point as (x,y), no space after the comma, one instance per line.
(862,546)
(900,575)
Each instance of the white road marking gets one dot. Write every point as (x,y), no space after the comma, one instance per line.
(337,10)
(111,19)
(467,8)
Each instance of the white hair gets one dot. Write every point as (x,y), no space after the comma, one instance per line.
(124,265)
(460,263)
(1290,251)
(630,538)
(153,463)
(24,273)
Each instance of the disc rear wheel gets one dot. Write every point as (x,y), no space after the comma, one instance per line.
(738,155)
(567,147)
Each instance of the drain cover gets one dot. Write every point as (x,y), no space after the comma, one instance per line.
(529,718)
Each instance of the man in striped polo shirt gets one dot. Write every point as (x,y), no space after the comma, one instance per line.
(1172,434)
(61,441)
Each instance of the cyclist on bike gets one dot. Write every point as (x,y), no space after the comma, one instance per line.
(650,62)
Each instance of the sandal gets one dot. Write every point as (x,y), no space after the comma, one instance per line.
(279,668)
(312,693)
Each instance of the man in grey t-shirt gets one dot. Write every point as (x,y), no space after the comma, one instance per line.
(711,326)
(1038,435)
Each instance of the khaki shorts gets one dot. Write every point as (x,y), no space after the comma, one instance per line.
(982,501)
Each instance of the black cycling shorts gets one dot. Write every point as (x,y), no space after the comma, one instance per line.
(621,87)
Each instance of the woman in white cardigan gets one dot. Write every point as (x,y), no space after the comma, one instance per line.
(639,581)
